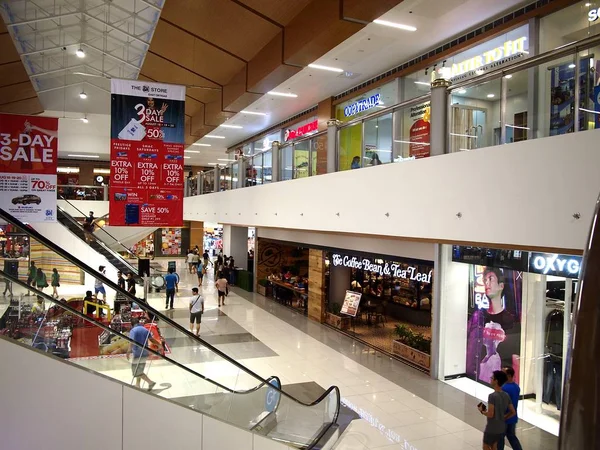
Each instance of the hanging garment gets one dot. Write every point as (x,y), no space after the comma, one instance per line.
(553,364)
(553,383)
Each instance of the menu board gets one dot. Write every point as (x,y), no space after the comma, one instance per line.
(351,302)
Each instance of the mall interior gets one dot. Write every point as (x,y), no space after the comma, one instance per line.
(348,321)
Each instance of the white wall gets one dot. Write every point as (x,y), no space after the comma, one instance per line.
(76,137)
(522,194)
(381,245)
(50,404)
(235,243)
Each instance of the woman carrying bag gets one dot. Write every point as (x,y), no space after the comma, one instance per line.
(55,282)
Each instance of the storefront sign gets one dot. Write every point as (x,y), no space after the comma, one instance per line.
(147,141)
(28,164)
(301,131)
(386,268)
(362,105)
(594,15)
(567,266)
(420,130)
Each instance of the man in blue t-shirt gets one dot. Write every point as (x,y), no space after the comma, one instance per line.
(142,337)
(514,391)
(172,285)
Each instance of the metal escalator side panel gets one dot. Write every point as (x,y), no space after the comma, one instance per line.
(581,400)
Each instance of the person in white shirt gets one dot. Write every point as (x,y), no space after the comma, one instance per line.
(196,310)
(190,261)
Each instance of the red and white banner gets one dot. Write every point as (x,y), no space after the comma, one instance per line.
(28,161)
(146,161)
(310,127)
(420,131)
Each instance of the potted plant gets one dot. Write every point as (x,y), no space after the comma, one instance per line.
(411,346)
(333,317)
(264,288)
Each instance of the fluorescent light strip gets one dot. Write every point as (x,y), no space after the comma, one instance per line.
(237,127)
(254,113)
(394,25)
(213,136)
(191,151)
(516,126)
(213,164)
(330,69)
(201,145)
(410,142)
(283,94)
(84,156)
(186,157)
(229,160)
(424,83)
(589,111)
(463,135)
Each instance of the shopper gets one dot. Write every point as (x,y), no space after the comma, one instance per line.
(130,284)
(200,271)
(375,161)
(38,307)
(88,226)
(98,285)
(40,279)
(7,287)
(355,163)
(514,391)
(31,274)
(205,255)
(119,297)
(222,288)
(196,310)
(89,297)
(172,286)
(498,403)
(195,261)
(142,337)
(190,260)
(55,283)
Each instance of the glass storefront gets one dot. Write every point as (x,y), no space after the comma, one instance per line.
(515,308)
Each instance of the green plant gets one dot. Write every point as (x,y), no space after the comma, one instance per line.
(418,341)
(421,343)
(403,333)
(263,282)
(335,308)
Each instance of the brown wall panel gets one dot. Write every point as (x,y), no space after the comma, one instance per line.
(234,89)
(266,70)
(16,92)
(8,52)
(28,106)
(12,73)
(215,64)
(281,11)
(367,11)
(164,38)
(324,112)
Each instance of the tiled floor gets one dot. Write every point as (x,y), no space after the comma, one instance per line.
(400,407)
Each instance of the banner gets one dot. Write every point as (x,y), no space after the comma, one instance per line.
(28,161)
(146,157)
(419,134)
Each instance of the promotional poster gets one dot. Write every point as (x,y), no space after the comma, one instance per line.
(562,96)
(420,130)
(146,161)
(494,321)
(28,161)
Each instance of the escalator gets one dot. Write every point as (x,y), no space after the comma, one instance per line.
(93,241)
(186,369)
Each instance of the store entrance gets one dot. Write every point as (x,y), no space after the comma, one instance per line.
(469,131)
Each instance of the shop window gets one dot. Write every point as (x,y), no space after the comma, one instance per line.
(257,163)
(287,168)
(313,156)
(235,171)
(517,126)
(268,167)
(349,148)
(378,141)
(301,159)
(589,103)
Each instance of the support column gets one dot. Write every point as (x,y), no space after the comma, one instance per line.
(235,243)
(217,187)
(275,171)
(332,128)
(200,183)
(439,116)
(316,283)
(197,234)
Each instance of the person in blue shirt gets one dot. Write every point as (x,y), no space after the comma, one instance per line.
(140,355)
(200,272)
(172,285)
(514,391)
(355,164)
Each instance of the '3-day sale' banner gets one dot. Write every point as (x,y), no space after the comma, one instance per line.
(146,156)
(28,159)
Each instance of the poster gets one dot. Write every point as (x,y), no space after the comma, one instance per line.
(28,161)
(351,302)
(420,131)
(494,321)
(146,161)
(562,96)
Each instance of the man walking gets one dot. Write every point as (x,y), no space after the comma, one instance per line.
(513,390)
(498,403)
(196,310)
(172,285)
(140,355)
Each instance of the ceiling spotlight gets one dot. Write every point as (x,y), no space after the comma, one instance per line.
(462,91)
(80,53)
(588,4)
(283,94)
(83,95)
(330,69)
(508,77)
(253,113)
(572,66)
(84,119)
(231,126)
(491,95)
(395,25)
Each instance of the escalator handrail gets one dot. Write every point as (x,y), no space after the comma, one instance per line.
(99,241)
(105,215)
(146,307)
(99,324)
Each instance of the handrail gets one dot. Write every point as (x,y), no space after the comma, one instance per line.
(73,260)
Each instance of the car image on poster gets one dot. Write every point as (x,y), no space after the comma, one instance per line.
(147,142)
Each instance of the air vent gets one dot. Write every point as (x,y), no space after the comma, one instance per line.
(459,40)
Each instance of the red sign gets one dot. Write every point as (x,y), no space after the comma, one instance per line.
(146,164)
(301,131)
(419,139)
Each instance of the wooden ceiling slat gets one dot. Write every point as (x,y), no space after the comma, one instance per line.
(281,11)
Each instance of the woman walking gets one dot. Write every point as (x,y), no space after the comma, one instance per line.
(55,282)
(40,279)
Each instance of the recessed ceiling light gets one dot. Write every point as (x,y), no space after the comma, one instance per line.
(254,113)
(198,144)
(80,53)
(330,69)
(83,95)
(491,95)
(84,156)
(508,77)
(84,120)
(587,5)
(479,72)
(191,151)
(282,94)
(228,160)
(462,91)
(214,136)
(186,157)
(424,83)
(394,25)
(237,127)
(572,66)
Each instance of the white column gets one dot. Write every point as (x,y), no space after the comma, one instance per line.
(439,116)
(332,129)
(275,171)
(217,178)
(235,243)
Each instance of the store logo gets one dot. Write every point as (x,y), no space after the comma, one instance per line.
(594,15)
(384,268)
(301,131)
(554,264)
(362,105)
